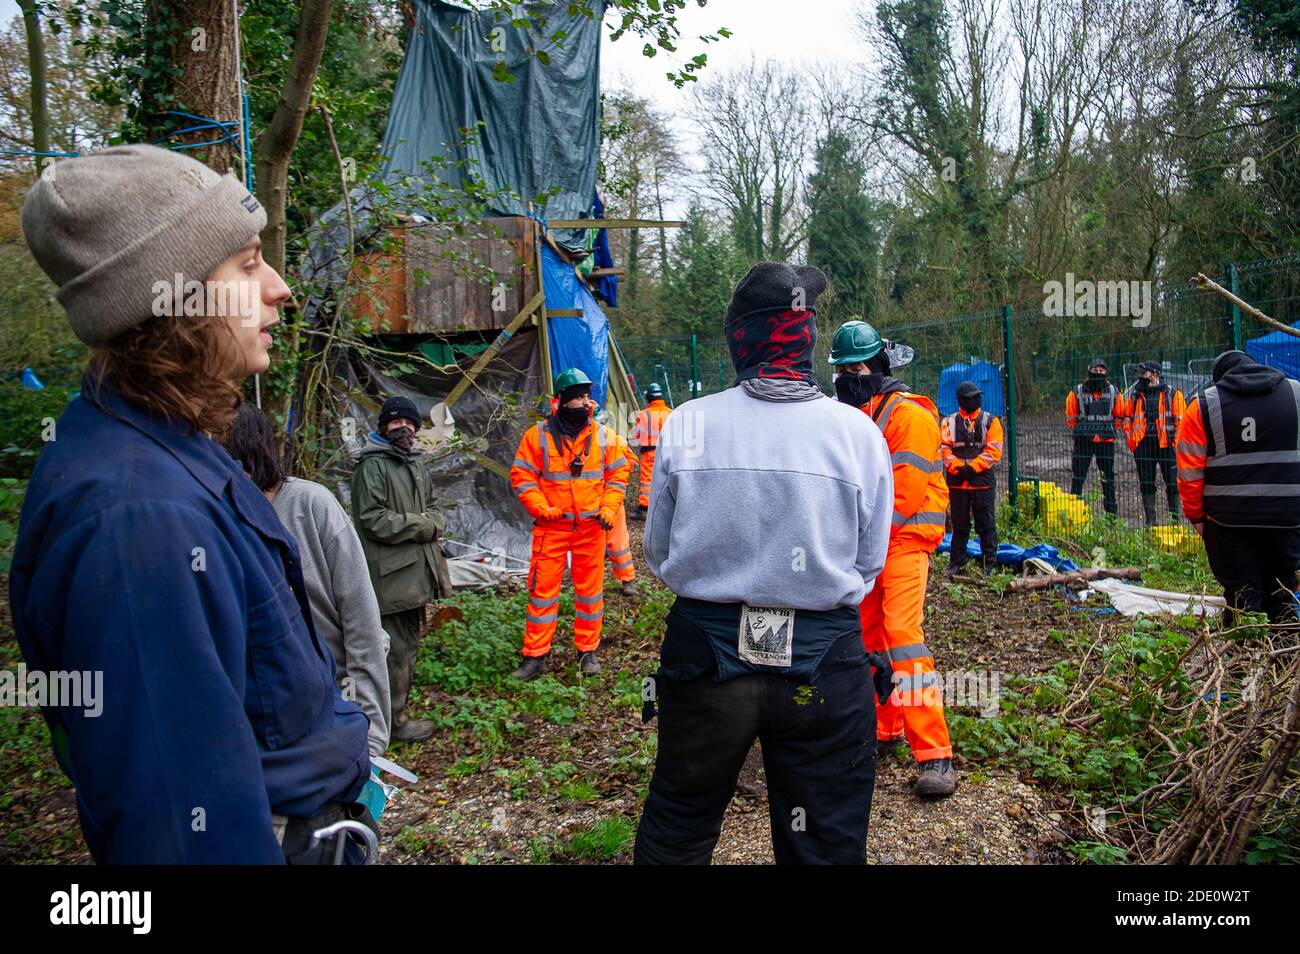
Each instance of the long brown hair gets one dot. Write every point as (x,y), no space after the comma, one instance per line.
(174,366)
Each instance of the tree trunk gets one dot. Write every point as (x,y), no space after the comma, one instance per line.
(203,48)
(36,67)
(275,146)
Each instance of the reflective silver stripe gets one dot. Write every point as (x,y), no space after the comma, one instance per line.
(616,485)
(520,462)
(588,513)
(549,617)
(615,465)
(1187,447)
(589,600)
(525,485)
(567,514)
(579,614)
(997,444)
(891,402)
(1216,419)
(916,460)
(920,518)
(544,441)
(1257,457)
(1252,490)
(1191,473)
(920,680)
(914,651)
(541,603)
(619,553)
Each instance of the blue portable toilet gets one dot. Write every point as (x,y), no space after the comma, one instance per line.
(988,377)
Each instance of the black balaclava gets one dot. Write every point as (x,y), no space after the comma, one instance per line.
(858,389)
(572,420)
(1096,379)
(403,438)
(767,335)
(968,397)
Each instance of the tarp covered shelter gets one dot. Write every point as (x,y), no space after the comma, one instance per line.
(1277,349)
(988,377)
(538,135)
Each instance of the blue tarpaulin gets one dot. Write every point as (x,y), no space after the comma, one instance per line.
(987,376)
(575,342)
(31,381)
(1011,555)
(1278,350)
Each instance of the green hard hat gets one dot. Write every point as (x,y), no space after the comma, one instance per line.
(569,377)
(654,391)
(855,341)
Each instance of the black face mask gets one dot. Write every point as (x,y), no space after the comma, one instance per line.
(402,438)
(857,389)
(572,420)
(969,404)
(1096,381)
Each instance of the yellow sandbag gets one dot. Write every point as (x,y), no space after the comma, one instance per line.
(1065,513)
(1179,538)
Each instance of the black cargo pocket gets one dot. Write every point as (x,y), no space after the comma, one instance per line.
(283,670)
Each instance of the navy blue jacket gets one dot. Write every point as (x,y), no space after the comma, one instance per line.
(145,552)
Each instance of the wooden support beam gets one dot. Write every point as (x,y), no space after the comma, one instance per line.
(602,272)
(494,349)
(563,312)
(613,224)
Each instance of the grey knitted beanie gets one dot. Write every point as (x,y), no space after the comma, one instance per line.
(109,225)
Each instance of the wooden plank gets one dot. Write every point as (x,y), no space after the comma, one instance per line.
(602,272)
(613,224)
(494,349)
(563,312)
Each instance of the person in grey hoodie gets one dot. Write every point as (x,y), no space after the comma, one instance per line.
(343,603)
(769,518)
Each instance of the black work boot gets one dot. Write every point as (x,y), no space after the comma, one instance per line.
(588,663)
(629,588)
(938,779)
(639,513)
(955,568)
(531,667)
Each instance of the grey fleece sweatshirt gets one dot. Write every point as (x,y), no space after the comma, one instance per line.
(343,603)
(770,502)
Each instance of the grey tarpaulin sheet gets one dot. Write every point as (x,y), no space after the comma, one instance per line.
(539,132)
(481,507)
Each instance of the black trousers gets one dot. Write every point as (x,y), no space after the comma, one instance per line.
(819,755)
(982,504)
(1150,457)
(1257,567)
(1084,450)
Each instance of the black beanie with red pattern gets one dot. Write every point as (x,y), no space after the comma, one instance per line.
(771,325)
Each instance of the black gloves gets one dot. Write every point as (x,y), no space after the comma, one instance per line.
(882,675)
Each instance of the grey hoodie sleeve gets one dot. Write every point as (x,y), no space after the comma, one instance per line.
(364,640)
(659,516)
(875,507)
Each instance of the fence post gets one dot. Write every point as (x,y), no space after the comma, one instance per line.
(696,389)
(1013,461)
(1234,287)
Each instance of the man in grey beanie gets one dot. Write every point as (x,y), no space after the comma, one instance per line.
(145,555)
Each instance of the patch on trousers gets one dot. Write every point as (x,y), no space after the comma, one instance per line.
(766,635)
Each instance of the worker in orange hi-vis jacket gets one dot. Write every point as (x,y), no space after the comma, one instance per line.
(892,612)
(618,542)
(970,441)
(1096,413)
(1239,477)
(570,473)
(645,434)
(1154,412)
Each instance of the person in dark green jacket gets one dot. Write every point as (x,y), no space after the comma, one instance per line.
(392,505)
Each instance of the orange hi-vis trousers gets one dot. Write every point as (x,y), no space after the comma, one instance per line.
(891,623)
(647,475)
(618,547)
(553,541)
